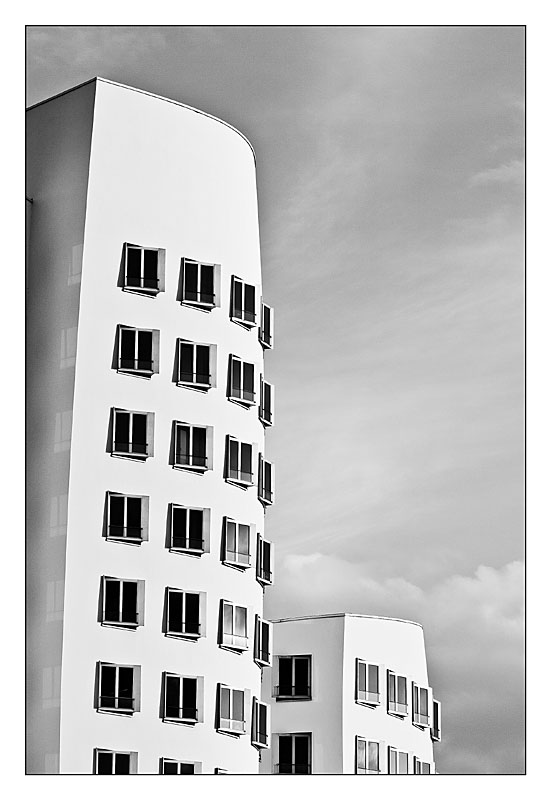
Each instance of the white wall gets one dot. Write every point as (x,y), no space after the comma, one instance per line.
(161,175)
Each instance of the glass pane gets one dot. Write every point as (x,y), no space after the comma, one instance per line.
(373,678)
(179,520)
(175,611)
(249,302)
(130,602)
(302,676)
(199,446)
(402,690)
(266,324)
(122,429)
(116,512)
(172,696)
(285,753)
(424,702)
(128,348)
(170,768)
(187,769)
(248,381)
(246,460)
(192,613)
(243,545)
(234,457)
(237,299)
(236,377)
(186,362)
(230,537)
(302,751)
(238,711)
(207,283)
(190,281)
(391,688)
(224,702)
(361,753)
(182,444)
(402,763)
(361,676)
(107,686)
(139,430)
(122,763)
(126,688)
(145,349)
(240,621)
(202,364)
(373,753)
(133,266)
(196,528)
(150,268)
(228,618)
(133,516)
(189,690)
(104,763)
(112,596)
(285,676)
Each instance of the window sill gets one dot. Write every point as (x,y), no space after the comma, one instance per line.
(283,698)
(232,731)
(125,625)
(234,647)
(370,703)
(262,663)
(140,373)
(199,387)
(399,714)
(129,539)
(243,322)
(191,468)
(264,581)
(241,402)
(240,484)
(268,423)
(200,306)
(176,635)
(260,745)
(142,291)
(131,456)
(123,712)
(186,551)
(265,501)
(237,564)
(178,721)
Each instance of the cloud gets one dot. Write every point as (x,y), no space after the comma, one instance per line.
(512,172)
(474,637)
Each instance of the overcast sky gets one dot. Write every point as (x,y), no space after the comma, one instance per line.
(390,178)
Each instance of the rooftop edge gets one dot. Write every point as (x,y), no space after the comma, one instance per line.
(150,94)
(346,614)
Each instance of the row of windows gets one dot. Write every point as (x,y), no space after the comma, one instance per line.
(293,681)
(122,605)
(138,353)
(198,287)
(132,436)
(117,691)
(113,762)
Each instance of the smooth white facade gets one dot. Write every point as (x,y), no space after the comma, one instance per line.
(110,165)
(332,714)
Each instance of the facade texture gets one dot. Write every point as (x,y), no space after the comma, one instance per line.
(349,694)
(147,471)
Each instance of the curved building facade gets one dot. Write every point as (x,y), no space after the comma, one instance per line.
(148,406)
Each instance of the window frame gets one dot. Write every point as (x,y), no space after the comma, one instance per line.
(200,305)
(267,421)
(398,709)
(140,603)
(239,397)
(192,427)
(261,543)
(260,739)
(267,343)
(184,634)
(262,491)
(261,625)
(366,769)
(245,562)
(241,319)
(240,481)
(370,697)
(418,719)
(233,641)
(144,514)
(398,762)
(436,721)
(205,530)
(294,736)
(155,351)
(235,726)
(194,384)
(149,434)
(277,686)
(132,760)
(183,720)
(143,290)
(136,689)
(418,766)
(195,764)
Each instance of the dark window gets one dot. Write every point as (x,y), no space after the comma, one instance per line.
(243,306)
(116,688)
(294,677)
(187,529)
(294,754)
(194,364)
(239,461)
(125,517)
(237,543)
(109,763)
(177,767)
(135,350)
(265,410)
(241,380)
(420,705)
(435,727)
(191,446)
(131,433)
(120,602)
(260,723)
(183,612)
(262,641)
(198,283)
(265,332)
(180,698)
(397,694)
(265,481)
(142,269)
(367,682)
(264,561)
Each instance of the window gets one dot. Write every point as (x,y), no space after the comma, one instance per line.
(294,754)
(241,381)
(420,705)
(127,517)
(266,330)
(171,767)
(435,732)
(122,602)
(260,724)
(194,362)
(367,683)
(265,481)
(262,642)
(266,407)
(143,269)
(397,694)
(243,305)
(294,674)
(187,529)
(264,561)
(138,351)
(180,698)
(182,613)
(421,767)
(239,462)
(220,771)
(132,434)
(367,757)
(109,762)
(231,705)
(234,626)
(397,762)
(198,284)
(237,543)
(190,446)
(119,690)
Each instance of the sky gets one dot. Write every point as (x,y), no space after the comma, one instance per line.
(390,177)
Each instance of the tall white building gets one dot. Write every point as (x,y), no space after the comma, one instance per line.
(148,479)
(349,694)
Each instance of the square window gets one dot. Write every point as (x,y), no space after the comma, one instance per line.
(265,481)
(199,284)
(183,614)
(367,683)
(118,688)
(264,561)
(239,462)
(294,754)
(231,710)
(127,518)
(189,529)
(237,538)
(367,757)
(169,766)
(233,626)
(397,762)
(243,303)
(241,381)
(262,638)
(266,329)
(397,697)
(195,364)
(192,447)
(132,435)
(293,678)
(266,407)
(137,351)
(144,269)
(122,602)
(260,736)
(111,762)
(180,698)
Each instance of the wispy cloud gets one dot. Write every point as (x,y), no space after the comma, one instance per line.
(511,172)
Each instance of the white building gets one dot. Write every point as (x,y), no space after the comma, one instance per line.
(147,407)
(349,694)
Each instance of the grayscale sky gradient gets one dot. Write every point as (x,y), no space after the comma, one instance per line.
(390,176)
